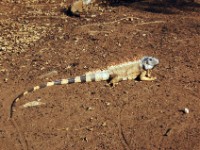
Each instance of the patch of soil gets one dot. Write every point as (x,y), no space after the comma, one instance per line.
(37,38)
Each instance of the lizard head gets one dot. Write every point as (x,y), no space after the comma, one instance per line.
(149,62)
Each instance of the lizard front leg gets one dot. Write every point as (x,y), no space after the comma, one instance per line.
(145,76)
(149,73)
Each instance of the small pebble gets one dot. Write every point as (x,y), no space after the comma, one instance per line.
(108,103)
(104,124)
(6,80)
(48,74)
(93,16)
(186,110)
(85,67)
(90,108)
(168,132)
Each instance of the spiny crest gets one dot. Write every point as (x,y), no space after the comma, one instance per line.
(126,61)
(113,65)
(92,72)
(123,64)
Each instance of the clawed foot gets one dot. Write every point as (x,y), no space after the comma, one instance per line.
(153,78)
(147,78)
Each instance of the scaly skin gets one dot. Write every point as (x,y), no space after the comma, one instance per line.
(126,71)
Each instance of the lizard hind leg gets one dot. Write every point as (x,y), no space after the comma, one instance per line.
(114,80)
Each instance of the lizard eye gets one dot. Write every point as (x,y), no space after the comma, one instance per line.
(150,59)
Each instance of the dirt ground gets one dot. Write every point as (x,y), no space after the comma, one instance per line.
(40,43)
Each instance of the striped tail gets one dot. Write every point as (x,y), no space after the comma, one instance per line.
(90,77)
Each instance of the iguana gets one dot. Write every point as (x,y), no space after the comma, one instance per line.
(138,69)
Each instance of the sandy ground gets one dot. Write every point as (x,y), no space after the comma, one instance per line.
(39,43)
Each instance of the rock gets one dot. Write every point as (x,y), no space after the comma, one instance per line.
(49,74)
(33,104)
(78,7)
(186,110)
